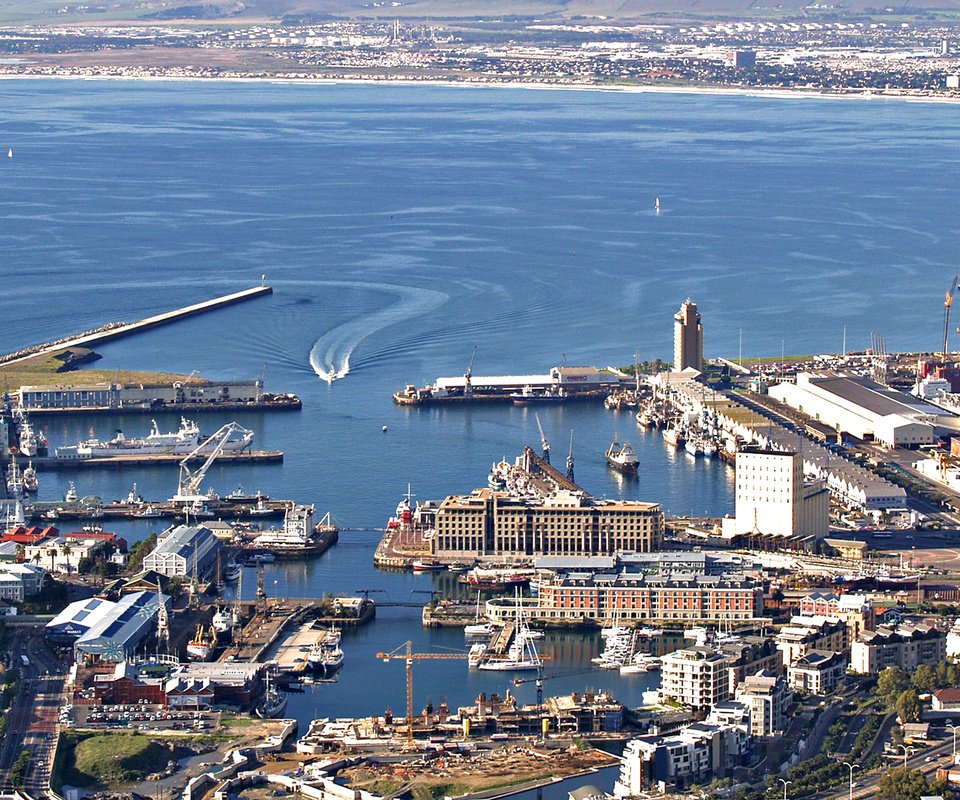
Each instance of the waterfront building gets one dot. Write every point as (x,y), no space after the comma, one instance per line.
(694,755)
(695,677)
(64,554)
(804,634)
(181,550)
(687,338)
(748,655)
(76,619)
(677,598)
(116,635)
(139,395)
(774,499)
(866,409)
(765,694)
(856,610)
(904,646)
(27,578)
(816,672)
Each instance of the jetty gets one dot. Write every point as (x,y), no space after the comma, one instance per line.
(120,330)
(149,459)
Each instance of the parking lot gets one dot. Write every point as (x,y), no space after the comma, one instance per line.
(140,716)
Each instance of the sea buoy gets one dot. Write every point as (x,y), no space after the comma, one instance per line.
(384,428)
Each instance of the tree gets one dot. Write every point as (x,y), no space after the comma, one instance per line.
(901,783)
(925,679)
(908,706)
(891,684)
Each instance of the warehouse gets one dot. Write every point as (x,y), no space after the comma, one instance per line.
(183,550)
(115,637)
(76,619)
(865,409)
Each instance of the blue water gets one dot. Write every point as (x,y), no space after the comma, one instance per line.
(402,226)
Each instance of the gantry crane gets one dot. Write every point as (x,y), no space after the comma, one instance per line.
(188,489)
(544,444)
(409,656)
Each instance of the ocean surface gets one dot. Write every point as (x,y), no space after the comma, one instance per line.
(403,226)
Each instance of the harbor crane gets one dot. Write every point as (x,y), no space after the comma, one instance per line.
(468,375)
(538,681)
(544,444)
(948,301)
(570,461)
(405,651)
(188,488)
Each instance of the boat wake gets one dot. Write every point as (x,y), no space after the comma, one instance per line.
(331,353)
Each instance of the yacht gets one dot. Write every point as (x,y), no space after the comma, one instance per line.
(29,480)
(521,654)
(641,663)
(673,436)
(231,572)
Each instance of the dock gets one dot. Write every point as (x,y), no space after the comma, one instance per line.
(118,331)
(290,654)
(222,508)
(150,459)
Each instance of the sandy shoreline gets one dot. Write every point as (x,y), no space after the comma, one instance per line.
(730,91)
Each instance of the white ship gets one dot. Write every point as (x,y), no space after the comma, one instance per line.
(326,655)
(31,483)
(200,647)
(222,625)
(181,442)
(30,443)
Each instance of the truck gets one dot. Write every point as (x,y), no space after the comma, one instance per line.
(25,661)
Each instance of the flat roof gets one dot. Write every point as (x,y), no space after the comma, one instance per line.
(872,396)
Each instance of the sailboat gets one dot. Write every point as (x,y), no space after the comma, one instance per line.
(10,153)
(522,653)
(657,205)
(480,628)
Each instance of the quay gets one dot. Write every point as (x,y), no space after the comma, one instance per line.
(128,329)
(268,402)
(150,459)
(222,508)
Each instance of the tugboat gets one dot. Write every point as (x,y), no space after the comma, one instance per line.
(200,647)
(622,457)
(274,702)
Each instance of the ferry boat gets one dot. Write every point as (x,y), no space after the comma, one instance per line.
(181,442)
(200,648)
(622,457)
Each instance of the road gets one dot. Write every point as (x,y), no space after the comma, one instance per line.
(33,718)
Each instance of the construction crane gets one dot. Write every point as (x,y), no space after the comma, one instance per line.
(541,678)
(544,444)
(570,461)
(405,651)
(468,375)
(188,488)
(948,301)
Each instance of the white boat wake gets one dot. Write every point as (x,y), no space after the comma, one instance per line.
(330,354)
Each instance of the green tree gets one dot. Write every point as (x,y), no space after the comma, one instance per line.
(908,706)
(891,684)
(925,679)
(901,783)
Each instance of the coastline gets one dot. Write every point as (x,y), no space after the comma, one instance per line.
(723,91)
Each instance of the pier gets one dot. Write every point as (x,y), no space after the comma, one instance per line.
(150,459)
(128,329)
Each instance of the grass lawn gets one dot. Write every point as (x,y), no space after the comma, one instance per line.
(111,759)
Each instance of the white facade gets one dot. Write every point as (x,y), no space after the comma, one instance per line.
(695,676)
(905,647)
(764,694)
(30,576)
(182,548)
(62,555)
(772,497)
(816,672)
(864,409)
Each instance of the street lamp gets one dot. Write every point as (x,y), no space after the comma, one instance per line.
(954,729)
(785,785)
(851,767)
(906,750)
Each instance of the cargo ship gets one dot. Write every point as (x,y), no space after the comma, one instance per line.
(560,384)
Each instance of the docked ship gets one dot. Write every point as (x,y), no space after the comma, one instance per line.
(673,436)
(273,704)
(326,655)
(641,664)
(181,442)
(522,653)
(231,572)
(528,396)
(494,579)
(298,538)
(29,442)
(201,646)
(31,484)
(222,625)
(622,457)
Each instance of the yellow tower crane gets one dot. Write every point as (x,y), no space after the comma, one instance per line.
(405,651)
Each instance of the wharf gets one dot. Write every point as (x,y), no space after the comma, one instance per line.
(222,508)
(130,328)
(270,402)
(264,629)
(448,615)
(290,654)
(150,459)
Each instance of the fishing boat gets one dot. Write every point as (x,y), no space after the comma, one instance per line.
(622,457)
(326,655)
(427,565)
(200,647)
(31,483)
(29,442)
(274,702)
(222,625)
(14,481)
(673,436)
(693,446)
(528,396)
(710,449)
(260,508)
(71,495)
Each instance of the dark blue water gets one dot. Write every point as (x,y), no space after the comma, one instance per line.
(402,226)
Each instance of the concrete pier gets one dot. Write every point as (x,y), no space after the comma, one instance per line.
(89,340)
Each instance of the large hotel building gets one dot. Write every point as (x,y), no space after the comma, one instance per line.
(539,512)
